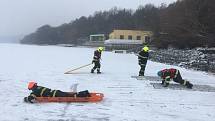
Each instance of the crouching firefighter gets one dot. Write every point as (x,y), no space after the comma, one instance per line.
(96,60)
(168,74)
(39,91)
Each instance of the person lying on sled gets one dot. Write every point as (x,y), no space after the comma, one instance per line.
(168,74)
(39,91)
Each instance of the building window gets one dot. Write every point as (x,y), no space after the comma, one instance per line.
(147,39)
(138,37)
(121,37)
(130,37)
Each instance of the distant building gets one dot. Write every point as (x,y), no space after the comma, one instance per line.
(96,40)
(127,39)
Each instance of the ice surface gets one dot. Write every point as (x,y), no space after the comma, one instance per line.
(126,98)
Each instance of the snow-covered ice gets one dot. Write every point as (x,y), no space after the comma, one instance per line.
(126,99)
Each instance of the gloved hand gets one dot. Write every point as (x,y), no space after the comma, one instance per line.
(165,84)
(189,85)
(26,99)
(93,61)
(29,99)
(162,82)
(32,101)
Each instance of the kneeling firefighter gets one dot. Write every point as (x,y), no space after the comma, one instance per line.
(168,74)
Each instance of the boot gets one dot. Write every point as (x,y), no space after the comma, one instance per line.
(98,71)
(189,85)
(83,94)
(92,71)
(141,73)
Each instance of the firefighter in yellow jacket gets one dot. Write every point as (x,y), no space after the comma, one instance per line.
(143,56)
(96,60)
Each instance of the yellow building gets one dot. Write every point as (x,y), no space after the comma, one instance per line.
(144,36)
(127,39)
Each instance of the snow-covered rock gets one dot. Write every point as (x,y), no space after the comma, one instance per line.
(199,59)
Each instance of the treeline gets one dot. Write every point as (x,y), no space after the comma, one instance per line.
(188,24)
(182,24)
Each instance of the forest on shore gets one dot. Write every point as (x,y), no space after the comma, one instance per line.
(182,24)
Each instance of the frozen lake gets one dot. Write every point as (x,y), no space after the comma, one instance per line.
(126,98)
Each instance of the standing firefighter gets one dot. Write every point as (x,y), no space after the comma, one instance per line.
(142,59)
(168,74)
(96,60)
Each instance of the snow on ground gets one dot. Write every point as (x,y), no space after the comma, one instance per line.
(126,99)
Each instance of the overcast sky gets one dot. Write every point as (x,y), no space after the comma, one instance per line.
(21,17)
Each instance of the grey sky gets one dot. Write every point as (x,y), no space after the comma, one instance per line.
(20,17)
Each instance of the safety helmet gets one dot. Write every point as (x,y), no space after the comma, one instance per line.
(31,85)
(100,49)
(160,73)
(146,49)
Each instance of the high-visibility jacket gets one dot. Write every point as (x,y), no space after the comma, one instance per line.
(142,58)
(168,74)
(97,55)
(40,91)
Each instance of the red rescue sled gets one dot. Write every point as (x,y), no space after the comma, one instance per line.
(94,97)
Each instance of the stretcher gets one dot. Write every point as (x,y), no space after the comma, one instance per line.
(94,97)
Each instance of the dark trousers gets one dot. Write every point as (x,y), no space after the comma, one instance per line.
(179,79)
(68,94)
(142,67)
(142,70)
(97,66)
(58,93)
